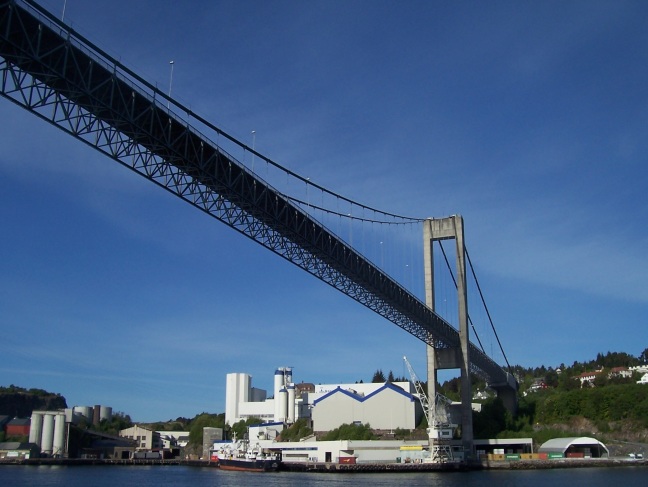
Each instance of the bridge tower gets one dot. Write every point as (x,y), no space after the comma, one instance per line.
(450,358)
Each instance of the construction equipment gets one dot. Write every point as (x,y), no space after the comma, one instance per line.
(440,430)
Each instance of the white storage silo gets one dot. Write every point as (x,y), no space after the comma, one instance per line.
(278,381)
(283,404)
(48,433)
(85,411)
(291,403)
(105,412)
(278,384)
(59,435)
(36,428)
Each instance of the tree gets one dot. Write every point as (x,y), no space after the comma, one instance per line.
(378,376)
(390,378)
(297,431)
(159,426)
(551,378)
(241,428)
(566,382)
(601,380)
(643,358)
(492,420)
(451,388)
(119,421)
(201,421)
(350,432)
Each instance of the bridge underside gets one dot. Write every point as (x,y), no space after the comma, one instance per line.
(50,70)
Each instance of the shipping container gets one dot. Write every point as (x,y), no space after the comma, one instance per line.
(575,454)
(496,457)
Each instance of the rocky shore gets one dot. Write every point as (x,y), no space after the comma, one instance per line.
(564,463)
(455,467)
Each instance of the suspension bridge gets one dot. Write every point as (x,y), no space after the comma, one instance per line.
(52,71)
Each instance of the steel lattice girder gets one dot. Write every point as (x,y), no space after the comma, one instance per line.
(67,81)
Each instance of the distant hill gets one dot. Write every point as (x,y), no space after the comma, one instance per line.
(19,402)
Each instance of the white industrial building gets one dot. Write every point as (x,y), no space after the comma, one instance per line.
(387,407)
(349,451)
(383,405)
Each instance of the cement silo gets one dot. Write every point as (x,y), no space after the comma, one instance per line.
(48,434)
(105,413)
(278,385)
(36,428)
(58,444)
(291,403)
(85,411)
(283,404)
(279,380)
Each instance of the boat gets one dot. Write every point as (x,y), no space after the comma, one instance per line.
(240,455)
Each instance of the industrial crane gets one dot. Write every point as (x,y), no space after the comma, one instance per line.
(439,430)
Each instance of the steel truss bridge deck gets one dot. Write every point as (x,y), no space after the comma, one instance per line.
(56,74)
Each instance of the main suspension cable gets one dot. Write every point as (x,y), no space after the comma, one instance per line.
(351,217)
(285,169)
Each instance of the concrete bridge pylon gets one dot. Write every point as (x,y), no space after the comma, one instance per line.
(450,358)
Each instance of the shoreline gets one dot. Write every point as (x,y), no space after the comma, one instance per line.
(356,468)
(462,467)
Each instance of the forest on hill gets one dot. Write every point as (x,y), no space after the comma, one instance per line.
(18,402)
(554,403)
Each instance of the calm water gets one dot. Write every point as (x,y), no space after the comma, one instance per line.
(147,476)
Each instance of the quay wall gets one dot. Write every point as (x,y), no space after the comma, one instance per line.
(359,467)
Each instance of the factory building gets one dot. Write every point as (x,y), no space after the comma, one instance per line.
(50,429)
(243,401)
(326,406)
(388,407)
(349,451)
(145,439)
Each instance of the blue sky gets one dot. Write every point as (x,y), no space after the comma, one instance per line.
(530,119)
